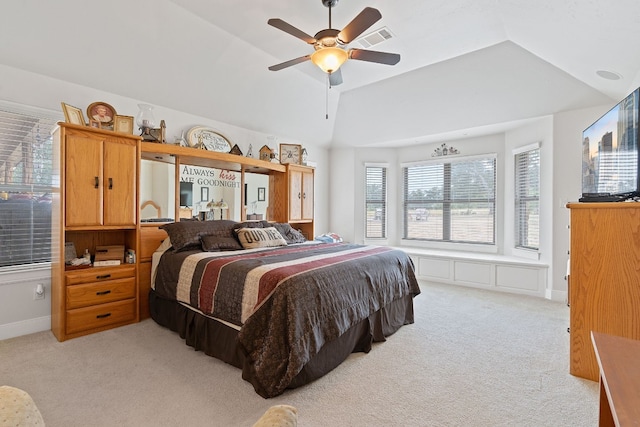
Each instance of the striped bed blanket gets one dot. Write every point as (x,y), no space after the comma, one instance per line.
(287,301)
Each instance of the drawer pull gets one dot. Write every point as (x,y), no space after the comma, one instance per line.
(103,316)
(104,276)
(97,182)
(103,292)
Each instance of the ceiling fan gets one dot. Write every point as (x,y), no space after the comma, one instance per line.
(329,44)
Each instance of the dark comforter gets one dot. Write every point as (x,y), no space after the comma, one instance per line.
(288,301)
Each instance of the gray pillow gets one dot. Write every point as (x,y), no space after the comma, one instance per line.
(290,234)
(215,243)
(186,235)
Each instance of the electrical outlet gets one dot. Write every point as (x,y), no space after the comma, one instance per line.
(38,292)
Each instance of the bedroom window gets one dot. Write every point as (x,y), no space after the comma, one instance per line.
(450,200)
(376,202)
(527,197)
(26,184)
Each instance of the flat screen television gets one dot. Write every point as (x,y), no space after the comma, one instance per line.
(610,158)
(186,193)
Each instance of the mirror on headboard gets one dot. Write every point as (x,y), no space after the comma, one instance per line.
(198,187)
(157,191)
(256,196)
(204,185)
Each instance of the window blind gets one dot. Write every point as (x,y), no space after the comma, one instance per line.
(527,199)
(451,200)
(25,184)
(376,202)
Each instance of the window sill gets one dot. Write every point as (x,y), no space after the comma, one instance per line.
(471,256)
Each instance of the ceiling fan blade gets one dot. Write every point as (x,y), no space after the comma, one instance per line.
(289,63)
(374,56)
(335,78)
(359,24)
(288,28)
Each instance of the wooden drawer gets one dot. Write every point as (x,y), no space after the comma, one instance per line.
(100,293)
(99,274)
(82,319)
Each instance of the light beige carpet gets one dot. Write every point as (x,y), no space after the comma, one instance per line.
(473,358)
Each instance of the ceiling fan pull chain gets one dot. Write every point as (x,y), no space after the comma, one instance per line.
(326,105)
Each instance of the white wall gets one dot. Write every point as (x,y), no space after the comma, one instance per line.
(567,171)
(19,313)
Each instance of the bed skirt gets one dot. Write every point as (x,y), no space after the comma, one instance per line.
(219,340)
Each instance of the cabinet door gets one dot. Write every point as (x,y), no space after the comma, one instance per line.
(307,195)
(119,183)
(295,195)
(83,181)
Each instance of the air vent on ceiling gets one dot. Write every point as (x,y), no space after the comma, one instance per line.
(374,38)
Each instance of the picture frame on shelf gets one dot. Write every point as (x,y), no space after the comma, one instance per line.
(208,139)
(291,153)
(204,194)
(73,114)
(262,191)
(102,112)
(94,124)
(123,124)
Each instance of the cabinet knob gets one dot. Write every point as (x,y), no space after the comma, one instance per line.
(298,195)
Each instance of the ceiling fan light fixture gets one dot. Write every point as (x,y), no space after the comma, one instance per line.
(329,59)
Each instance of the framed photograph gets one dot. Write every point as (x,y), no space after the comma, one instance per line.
(123,124)
(102,112)
(73,115)
(69,252)
(291,153)
(261,194)
(94,123)
(204,194)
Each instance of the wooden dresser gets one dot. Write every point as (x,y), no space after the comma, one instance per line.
(604,295)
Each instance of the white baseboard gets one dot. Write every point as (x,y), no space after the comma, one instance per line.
(25,327)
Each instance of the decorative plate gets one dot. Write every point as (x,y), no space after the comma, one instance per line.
(208,139)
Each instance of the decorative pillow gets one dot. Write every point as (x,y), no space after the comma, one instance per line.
(260,237)
(215,243)
(290,234)
(329,238)
(185,235)
(17,408)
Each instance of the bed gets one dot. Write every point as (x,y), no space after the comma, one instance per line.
(285,311)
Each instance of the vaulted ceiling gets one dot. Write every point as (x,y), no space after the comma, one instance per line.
(468,67)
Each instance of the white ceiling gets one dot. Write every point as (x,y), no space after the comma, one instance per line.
(468,67)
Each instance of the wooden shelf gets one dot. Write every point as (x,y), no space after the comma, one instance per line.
(210,159)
